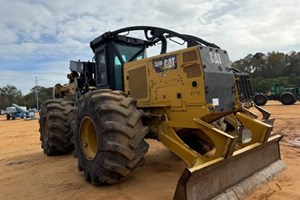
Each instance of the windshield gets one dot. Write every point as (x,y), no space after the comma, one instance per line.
(130,53)
(127,53)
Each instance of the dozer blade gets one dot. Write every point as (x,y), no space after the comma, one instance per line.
(234,177)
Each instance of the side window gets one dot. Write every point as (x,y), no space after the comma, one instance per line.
(119,73)
(101,68)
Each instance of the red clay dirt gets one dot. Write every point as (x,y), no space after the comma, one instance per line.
(26,173)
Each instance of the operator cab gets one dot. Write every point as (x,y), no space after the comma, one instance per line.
(113,49)
(110,56)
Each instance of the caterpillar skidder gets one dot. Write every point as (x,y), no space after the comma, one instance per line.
(188,99)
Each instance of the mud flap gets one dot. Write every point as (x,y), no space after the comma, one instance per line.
(234,177)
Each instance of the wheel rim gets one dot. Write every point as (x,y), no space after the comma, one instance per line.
(260,99)
(44,127)
(88,138)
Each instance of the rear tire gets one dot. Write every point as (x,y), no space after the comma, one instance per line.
(287,98)
(109,137)
(56,132)
(7,116)
(260,99)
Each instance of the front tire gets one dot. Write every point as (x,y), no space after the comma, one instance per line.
(260,99)
(109,136)
(55,121)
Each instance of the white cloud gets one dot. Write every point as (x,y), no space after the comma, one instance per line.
(260,26)
(48,74)
(7,35)
(42,31)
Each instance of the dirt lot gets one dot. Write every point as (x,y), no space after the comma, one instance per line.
(26,173)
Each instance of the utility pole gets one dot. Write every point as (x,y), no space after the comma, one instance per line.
(37,94)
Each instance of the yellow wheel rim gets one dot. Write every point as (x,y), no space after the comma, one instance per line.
(88,138)
(45,127)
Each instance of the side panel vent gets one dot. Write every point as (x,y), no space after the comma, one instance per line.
(190,56)
(138,83)
(192,70)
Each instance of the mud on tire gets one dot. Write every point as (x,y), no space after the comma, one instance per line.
(109,136)
(56,132)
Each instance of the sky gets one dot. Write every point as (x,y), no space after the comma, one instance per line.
(38,38)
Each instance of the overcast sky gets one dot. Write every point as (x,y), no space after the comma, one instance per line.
(39,37)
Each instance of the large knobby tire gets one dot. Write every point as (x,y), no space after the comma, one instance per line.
(56,132)
(287,98)
(109,136)
(260,99)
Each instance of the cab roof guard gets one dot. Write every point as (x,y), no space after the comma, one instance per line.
(153,35)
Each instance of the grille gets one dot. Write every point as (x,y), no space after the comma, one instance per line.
(138,83)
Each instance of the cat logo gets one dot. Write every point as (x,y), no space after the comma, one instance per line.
(165,63)
(215,57)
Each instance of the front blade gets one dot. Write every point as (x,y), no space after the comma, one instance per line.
(234,177)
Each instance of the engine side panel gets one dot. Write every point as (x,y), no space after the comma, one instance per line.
(186,82)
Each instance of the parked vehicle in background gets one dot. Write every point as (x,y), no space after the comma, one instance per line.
(16,111)
(287,95)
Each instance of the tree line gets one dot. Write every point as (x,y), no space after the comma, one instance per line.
(271,68)
(9,94)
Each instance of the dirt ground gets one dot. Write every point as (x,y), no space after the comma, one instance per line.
(26,173)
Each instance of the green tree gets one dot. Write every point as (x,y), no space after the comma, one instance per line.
(9,94)
(252,64)
(271,65)
(43,95)
(293,66)
(275,62)
(30,100)
(10,91)
(271,68)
